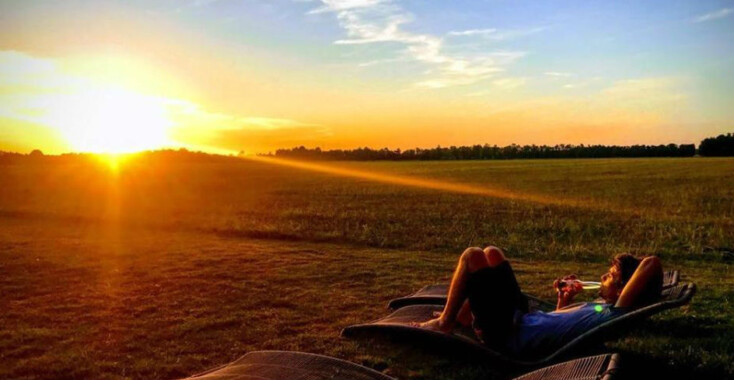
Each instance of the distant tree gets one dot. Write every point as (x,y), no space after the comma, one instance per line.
(487,152)
(687,150)
(36,153)
(722,145)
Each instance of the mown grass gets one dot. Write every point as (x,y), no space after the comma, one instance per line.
(162,270)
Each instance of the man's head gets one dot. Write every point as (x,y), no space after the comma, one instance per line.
(623,267)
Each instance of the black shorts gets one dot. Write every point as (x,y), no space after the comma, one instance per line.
(496,301)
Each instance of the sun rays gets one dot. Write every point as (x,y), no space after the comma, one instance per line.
(487,190)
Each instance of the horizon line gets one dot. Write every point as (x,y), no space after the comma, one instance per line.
(243,152)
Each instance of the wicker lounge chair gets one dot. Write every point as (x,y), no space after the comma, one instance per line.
(436,295)
(289,365)
(398,324)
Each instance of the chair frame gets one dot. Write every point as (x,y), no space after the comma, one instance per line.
(399,323)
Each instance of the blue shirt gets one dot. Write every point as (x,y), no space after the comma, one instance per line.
(541,333)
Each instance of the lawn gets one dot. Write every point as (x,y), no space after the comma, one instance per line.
(161,269)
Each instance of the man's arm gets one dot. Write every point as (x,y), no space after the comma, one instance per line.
(567,293)
(648,274)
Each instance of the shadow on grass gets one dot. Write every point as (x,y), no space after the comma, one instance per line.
(685,327)
(394,357)
(408,356)
(643,367)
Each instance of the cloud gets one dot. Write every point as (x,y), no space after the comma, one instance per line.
(367,32)
(721,13)
(269,123)
(381,21)
(236,139)
(445,82)
(497,35)
(201,128)
(344,5)
(473,32)
(35,91)
(14,66)
(379,62)
(648,90)
(557,74)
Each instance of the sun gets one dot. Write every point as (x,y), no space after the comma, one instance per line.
(112,120)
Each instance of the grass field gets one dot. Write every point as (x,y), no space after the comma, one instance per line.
(161,269)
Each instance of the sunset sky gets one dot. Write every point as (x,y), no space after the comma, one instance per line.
(256,75)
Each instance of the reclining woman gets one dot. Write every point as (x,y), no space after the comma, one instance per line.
(484,294)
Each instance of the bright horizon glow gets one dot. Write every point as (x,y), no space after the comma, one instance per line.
(111,121)
(258,75)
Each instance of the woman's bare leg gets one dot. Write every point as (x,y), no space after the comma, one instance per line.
(457,307)
(495,257)
(470,261)
(465,317)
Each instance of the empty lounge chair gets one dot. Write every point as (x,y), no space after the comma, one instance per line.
(289,365)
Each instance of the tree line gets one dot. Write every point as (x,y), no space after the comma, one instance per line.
(145,157)
(489,152)
(721,145)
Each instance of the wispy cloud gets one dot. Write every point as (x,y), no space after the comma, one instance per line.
(381,21)
(721,13)
(473,32)
(272,123)
(345,5)
(379,62)
(497,35)
(557,74)
(252,139)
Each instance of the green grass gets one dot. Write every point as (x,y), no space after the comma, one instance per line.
(163,270)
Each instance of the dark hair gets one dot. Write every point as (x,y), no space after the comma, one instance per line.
(627,265)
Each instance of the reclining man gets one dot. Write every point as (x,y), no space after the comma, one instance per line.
(484,294)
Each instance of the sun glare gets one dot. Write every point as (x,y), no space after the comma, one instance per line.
(113,160)
(112,121)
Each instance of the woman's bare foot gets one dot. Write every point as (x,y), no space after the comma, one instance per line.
(434,325)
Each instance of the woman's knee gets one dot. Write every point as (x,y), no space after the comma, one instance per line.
(474,259)
(494,255)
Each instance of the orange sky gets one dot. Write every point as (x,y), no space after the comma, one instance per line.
(112,78)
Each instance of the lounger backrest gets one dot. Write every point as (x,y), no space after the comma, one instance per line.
(673,297)
(670,278)
(293,365)
(600,367)
(399,323)
(290,365)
